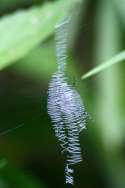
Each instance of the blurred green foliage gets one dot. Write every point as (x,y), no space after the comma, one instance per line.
(30,155)
(27,29)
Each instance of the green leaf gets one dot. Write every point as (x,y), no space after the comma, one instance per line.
(40,63)
(25,29)
(116,59)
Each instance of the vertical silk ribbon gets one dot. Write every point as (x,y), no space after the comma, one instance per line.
(65,107)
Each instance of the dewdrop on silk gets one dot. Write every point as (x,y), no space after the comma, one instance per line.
(65,106)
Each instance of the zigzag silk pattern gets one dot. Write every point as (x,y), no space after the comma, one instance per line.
(65,106)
